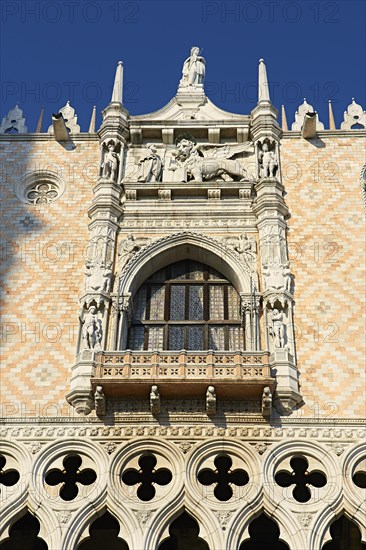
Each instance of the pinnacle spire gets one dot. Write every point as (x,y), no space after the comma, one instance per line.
(92,121)
(118,84)
(263,89)
(284,120)
(40,121)
(331,117)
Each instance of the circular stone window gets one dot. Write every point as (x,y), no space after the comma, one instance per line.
(40,187)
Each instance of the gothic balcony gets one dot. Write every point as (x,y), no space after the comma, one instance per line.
(183,373)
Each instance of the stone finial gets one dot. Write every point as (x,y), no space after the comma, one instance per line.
(354,116)
(331,117)
(40,121)
(14,122)
(303,111)
(70,119)
(117,94)
(284,120)
(93,121)
(263,88)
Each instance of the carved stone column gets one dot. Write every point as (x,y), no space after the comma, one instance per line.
(105,213)
(276,284)
(250,307)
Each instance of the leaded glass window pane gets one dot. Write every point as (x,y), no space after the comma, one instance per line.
(176,338)
(139,305)
(186,305)
(235,338)
(177,302)
(156,337)
(157,303)
(136,340)
(195,338)
(233,304)
(216,302)
(216,338)
(195,309)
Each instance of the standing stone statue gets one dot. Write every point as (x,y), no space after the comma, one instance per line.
(150,166)
(287,276)
(267,162)
(110,163)
(193,69)
(277,329)
(92,332)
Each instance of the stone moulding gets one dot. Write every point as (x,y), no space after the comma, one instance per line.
(203,248)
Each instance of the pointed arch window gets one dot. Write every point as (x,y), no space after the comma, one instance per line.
(186,305)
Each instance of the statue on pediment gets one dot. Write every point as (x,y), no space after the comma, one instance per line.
(277,329)
(193,69)
(206,162)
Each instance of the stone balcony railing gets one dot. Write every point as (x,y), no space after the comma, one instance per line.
(232,373)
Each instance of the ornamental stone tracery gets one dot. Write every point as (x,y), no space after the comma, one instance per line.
(247,495)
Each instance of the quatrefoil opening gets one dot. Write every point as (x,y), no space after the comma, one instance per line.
(70,476)
(223,477)
(146,477)
(10,477)
(301,478)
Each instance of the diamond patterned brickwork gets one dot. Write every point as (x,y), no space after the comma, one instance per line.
(43,274)
(326,247)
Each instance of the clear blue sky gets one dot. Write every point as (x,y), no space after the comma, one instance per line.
(57,50)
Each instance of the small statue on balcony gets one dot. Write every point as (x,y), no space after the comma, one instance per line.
(155,400)
(211,401)
(110,163)
(277,329)
(287,276)
(92,330)
(267,162)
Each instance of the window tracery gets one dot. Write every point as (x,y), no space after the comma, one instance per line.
(186,305)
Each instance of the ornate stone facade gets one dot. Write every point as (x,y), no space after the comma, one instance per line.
(206,392)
